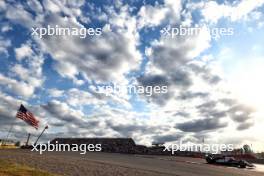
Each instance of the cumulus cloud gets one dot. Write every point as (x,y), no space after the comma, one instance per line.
(167,138)
(151,16)
(23,51)
(5,28)
(17,87)
(169,62)
(2,5)
(8,110)
(77,98)
(62,111)
(8,106)
(201,125)
(196,101)
(4,44)
(172,63)
(185,95)
(30,72)
(245,126)
(93,57)
(55,92)
(116,123)
(18,15)
(35,6)
(126,130)
(235,11)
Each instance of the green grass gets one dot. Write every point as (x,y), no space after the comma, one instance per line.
(12,169)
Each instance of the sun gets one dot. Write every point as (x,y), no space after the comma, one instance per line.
(248,84)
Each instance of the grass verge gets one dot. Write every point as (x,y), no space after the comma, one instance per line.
(7,147)
(11,169)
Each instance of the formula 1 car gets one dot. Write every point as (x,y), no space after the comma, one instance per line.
(227,161)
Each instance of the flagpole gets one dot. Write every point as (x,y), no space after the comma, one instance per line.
(7,136)
(28,139)
(46,127)
(10,129)
(12,125)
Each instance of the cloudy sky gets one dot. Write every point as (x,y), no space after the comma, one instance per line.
(215,85)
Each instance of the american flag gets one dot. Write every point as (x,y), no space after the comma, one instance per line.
(27,116)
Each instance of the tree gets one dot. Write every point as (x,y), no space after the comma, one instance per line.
(17,144)
(247,149)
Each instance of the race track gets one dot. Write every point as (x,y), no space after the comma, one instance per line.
(108,164)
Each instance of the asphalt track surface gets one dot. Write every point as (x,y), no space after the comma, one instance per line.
(108,164)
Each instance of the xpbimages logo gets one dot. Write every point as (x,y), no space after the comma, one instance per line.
(207,148)
(215,33)
(65,31)
(51,147)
